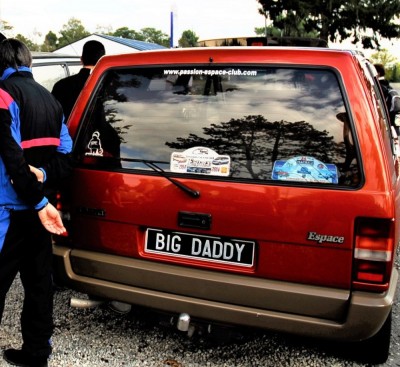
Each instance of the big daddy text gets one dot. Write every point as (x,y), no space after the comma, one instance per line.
(208,248)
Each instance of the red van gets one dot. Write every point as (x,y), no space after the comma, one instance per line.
(244,186)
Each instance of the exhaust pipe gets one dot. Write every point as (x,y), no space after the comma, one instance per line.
(84,303)
(183,322)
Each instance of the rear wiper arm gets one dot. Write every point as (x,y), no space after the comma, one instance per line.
(161,172)
(187,189)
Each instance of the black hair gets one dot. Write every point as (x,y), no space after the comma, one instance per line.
(380,69)
(92,51)
(14,53)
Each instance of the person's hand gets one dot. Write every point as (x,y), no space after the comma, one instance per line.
(38,173)
(51,219)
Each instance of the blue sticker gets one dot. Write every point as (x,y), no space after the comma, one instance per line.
(305,169)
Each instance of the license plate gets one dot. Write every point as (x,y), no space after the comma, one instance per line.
(200,247)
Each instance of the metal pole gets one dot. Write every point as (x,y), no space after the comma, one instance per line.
(171,39)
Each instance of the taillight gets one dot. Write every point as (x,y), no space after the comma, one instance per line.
(58,201)
(65,215)
(373,254)
(62,208)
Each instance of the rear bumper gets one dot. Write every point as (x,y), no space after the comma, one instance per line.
(218,297)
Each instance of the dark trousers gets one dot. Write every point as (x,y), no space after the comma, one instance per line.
(27,249)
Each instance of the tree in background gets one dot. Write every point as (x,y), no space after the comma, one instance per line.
(389,63)
(50,42)
(71,32)
(337,20)
(383,57)
(4,26)
(277,32)
(145,34)
(31,45)
(286,25)
(268,31)
(125,32)
(396,73)
(188,39)
(155,36)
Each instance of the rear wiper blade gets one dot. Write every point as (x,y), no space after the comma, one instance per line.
(187,189)
(161,172)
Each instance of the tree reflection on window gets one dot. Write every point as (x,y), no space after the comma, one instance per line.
(254,144)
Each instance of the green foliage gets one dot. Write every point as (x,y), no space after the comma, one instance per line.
(50,42)
(5,26)
(145,34)
(71,32)
(155,36)
(32,46)
(392,71)
(290,31)
(188,39)
(336,20)
(383,57)
(395,73)
(269,31)
(125,32)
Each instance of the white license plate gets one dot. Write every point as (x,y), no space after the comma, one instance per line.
(200,247)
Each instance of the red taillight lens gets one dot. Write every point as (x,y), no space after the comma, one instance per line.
(58,201)
(369,271)
(64,214)
(373,254)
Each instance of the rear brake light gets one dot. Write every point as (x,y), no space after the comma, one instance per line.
(373,254)
(62,208)
(58,201)
(65,215)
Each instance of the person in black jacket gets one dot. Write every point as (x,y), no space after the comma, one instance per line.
(68,89)
(35,149)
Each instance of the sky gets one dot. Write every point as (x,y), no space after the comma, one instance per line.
(206,18)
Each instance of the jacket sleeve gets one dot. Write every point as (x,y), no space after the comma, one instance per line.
(24,181)
(60,165)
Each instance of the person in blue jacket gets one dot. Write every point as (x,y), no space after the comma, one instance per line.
(35,151)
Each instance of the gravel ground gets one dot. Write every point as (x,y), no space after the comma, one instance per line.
(99,337)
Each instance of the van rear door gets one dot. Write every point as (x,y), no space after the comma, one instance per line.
(244,171)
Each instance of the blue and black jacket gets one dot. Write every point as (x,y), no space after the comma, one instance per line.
(32,132)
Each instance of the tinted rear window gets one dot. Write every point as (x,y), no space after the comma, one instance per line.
(251,123)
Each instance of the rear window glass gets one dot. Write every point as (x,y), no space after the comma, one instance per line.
(250,123)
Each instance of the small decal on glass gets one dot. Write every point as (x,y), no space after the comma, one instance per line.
(200,160)
(306,169)
(94,146)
